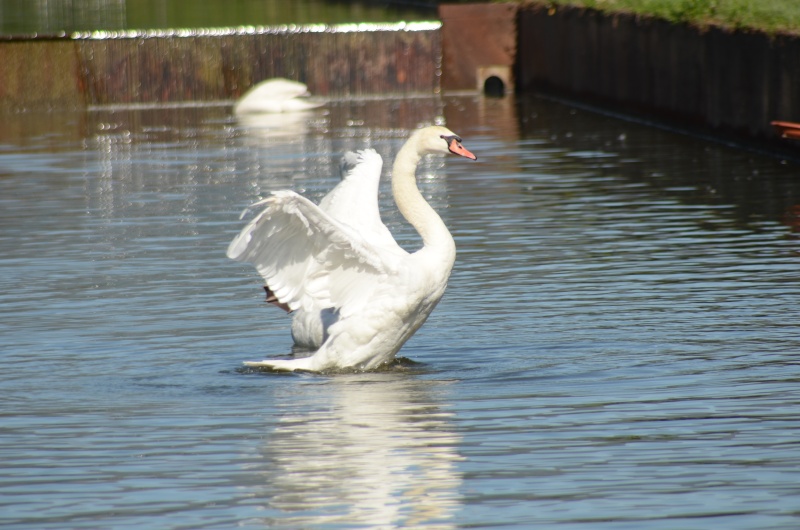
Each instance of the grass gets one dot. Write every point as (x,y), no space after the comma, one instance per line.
(771,16)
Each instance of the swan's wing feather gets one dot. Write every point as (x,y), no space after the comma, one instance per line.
(358,189)
(308,259)
(354,200)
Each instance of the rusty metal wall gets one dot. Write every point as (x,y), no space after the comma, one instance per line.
(734,81)
(122,68)
(39,74)
(477,37)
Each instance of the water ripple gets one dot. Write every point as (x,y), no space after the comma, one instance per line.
(616,348)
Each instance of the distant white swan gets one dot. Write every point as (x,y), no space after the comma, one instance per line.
(276,95)
(356,296)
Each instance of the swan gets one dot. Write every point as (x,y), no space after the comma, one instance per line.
(274,96)
(356,296)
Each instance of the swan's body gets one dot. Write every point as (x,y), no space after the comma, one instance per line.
(356,295)
(274,96)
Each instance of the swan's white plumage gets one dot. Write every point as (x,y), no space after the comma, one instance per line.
(275,96)
(354,200)
(312,274)
(357,296)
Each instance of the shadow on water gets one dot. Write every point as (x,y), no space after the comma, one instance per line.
(690,169)
(753,187)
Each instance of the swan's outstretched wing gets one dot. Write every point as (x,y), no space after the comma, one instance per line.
(354,201)
(308,259)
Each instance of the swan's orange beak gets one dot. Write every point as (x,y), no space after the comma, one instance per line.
(457,149)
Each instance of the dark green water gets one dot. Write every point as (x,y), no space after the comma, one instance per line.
(55,16)
(617,348)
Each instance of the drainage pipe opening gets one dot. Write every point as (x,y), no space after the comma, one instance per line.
(494,87)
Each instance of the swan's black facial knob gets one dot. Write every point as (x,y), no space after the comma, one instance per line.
(455,147)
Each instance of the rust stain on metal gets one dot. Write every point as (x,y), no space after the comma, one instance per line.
(476,36)
(170,66)
(731,82)
(40,74)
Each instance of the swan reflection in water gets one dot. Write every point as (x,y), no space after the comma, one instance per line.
(368,449)
(276,108)
(289,125)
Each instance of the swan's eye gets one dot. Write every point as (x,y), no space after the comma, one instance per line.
(449,139)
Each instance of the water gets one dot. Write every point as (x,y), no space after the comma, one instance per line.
(66,16)
(617,347)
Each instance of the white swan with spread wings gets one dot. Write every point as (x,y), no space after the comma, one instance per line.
(356,296)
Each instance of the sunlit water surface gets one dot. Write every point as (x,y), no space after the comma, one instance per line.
(617,348)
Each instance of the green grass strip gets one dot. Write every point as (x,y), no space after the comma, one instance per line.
(770,16)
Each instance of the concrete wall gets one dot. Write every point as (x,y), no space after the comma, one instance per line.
(729,81)
(207,65)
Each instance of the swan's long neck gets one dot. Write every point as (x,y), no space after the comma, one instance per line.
(413,205)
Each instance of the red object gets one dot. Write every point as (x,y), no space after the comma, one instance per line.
(787,129)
